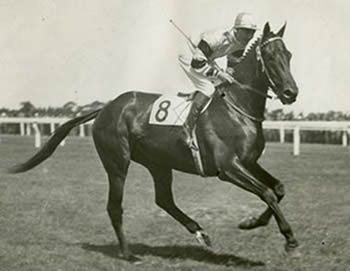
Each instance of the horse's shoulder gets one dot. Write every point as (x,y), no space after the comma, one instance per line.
(217,104)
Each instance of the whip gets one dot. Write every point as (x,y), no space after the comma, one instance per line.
(183,34)
(192,44)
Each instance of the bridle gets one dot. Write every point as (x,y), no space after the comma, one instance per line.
(260,59)
(265,71)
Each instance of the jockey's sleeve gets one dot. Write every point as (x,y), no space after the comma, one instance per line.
(234,58)
(238,53)
(205,48)
(200,60)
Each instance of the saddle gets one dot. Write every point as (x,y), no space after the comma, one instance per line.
(186,95)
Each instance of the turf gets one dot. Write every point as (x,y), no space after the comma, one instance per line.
(54,217)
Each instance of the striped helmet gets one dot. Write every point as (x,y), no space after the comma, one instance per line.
(245,20)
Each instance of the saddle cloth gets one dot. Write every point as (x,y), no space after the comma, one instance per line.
(171,109)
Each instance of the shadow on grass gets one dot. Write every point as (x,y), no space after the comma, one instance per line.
(195,253)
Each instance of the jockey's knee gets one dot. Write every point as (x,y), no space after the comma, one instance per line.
(201,93)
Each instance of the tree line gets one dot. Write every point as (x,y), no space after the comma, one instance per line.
(69,109)
(72,109)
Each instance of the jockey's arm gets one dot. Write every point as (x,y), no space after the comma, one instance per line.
(200,63)
(200,60)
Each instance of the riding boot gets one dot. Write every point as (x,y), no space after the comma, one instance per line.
(199,101)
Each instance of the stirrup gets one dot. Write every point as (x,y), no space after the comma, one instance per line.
(189,139)
(191,144)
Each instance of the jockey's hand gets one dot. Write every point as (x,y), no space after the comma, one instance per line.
(230,71)
(226,77)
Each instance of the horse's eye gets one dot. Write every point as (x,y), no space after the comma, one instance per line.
(269,58)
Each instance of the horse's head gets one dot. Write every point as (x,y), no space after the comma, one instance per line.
(275,60)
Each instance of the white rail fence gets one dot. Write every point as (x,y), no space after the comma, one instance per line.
(297,126)
(27,125)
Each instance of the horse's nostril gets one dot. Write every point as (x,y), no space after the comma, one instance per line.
(288,93)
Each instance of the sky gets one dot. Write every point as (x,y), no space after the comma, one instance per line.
(55,51)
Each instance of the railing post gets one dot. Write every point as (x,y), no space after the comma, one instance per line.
(282,134)
(63,142)
(52,127)
(21,128)
(81,130)
(296,140)
(28,130)
(345,138)
(37,135)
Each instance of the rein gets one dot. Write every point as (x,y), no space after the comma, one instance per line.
(245,87)
(265,95)
(242,112)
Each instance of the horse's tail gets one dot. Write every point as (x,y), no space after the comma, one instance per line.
(51,145)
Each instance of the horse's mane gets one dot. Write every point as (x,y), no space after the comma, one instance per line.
(247,52)
(250,47)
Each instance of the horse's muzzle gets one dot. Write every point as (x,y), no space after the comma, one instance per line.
(289,96)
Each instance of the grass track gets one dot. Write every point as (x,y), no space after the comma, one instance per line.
(54,218)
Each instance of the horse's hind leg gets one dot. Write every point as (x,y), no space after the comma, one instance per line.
(115,156)
(115,211)
(276,186)
(162,178)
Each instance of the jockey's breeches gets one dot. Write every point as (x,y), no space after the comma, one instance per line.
(201,82)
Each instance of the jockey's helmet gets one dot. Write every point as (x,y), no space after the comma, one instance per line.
(245,20)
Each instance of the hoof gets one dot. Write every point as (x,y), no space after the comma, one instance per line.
(251,223)
(132,259)
(203,238)
(129,257)
(291,246)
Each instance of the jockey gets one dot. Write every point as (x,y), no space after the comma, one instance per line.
(202,69)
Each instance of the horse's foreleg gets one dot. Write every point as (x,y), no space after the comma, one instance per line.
(237,174)
(276,186)
(164,199)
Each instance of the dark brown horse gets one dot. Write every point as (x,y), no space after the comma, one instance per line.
(230,138)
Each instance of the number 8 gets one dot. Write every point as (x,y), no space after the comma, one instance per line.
(162,112)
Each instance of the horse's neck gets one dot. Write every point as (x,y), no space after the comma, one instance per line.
(247,73)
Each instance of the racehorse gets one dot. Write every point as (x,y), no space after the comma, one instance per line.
(229,132)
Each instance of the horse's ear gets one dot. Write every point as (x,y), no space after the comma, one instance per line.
(267,29)
(281,31)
